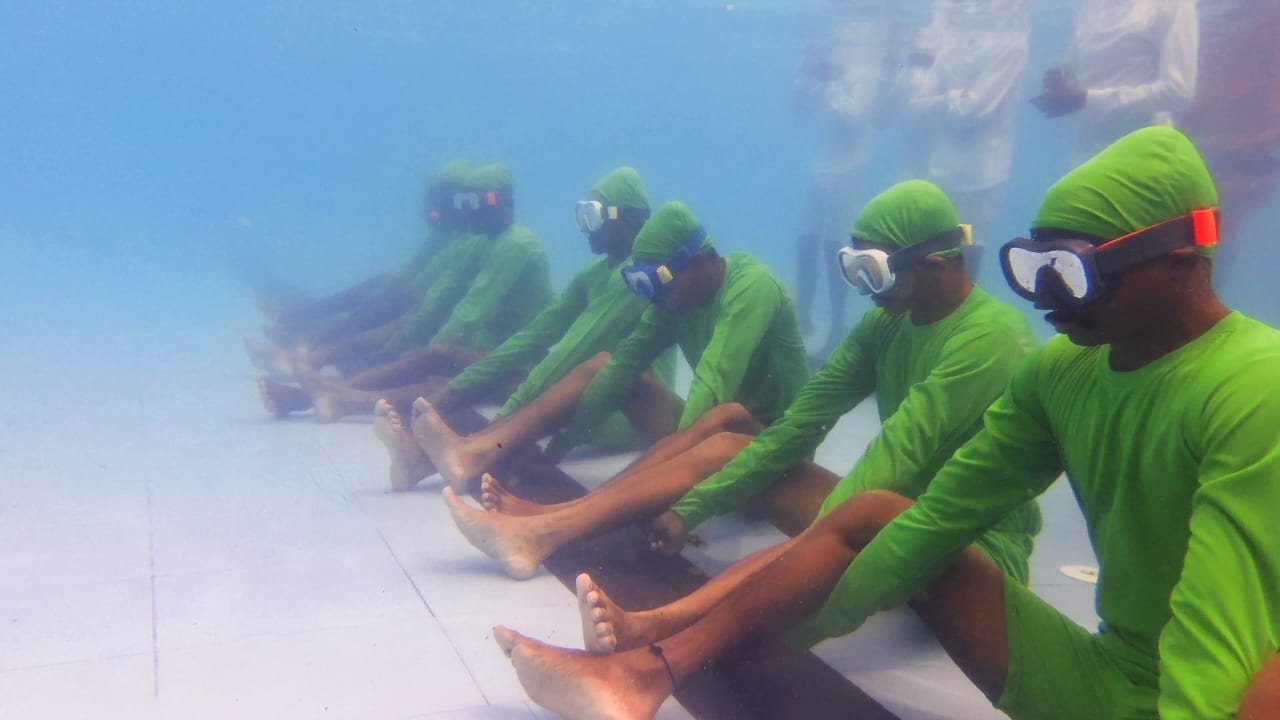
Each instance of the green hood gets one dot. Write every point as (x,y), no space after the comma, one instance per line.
(907,213)
(455,172)
(1144,178)
(494,176)
(622,188)
(670,227)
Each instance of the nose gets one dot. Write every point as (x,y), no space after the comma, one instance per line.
(1051,291)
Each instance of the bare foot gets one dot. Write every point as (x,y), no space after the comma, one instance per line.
(496,498)
(449,451)
(597,611)
(409,465)
(498,536)
(281,399)
(577,685)
(332,400)
(268,357)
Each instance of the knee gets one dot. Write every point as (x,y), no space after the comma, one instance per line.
(861,517)
(730,417)
(722,446)
(1262,698)
(593,364)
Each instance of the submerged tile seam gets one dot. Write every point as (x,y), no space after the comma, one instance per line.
(418,591)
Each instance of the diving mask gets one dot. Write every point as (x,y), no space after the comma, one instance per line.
(1069,272)
(650,280)
(592,214)
(875,272)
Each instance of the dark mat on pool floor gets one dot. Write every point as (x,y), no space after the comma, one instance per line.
(786,686)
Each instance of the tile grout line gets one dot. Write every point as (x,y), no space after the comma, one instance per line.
(418,591)
(151,557)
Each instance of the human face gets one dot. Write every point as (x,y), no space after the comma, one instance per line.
(1133,298)
(897,300)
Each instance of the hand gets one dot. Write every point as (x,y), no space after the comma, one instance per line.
(667,534)
(1059,95)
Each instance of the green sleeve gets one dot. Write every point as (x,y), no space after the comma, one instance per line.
(420,261)
(846,379)
(455,263)
(522,350)
(937,415)
(488,294)
(1225,608)
(610,386)
(1010,461)
(747,311)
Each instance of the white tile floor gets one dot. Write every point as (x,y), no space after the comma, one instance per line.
(166,551)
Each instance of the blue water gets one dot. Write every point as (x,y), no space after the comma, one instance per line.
(144,141)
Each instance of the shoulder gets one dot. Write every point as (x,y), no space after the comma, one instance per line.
(1243,359)
(993,322)
(747,277)
(521,236)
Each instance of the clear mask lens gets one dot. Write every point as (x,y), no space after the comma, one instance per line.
(1026,264)
(640,282)
(466,201)
(866,270)
(589,215)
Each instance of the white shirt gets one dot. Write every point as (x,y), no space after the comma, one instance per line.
(1138,61)
(962,107)
(846,101)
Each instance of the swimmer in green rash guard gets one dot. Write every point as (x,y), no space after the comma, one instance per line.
(594,313)
(1160,404)
(936,353)
(498,280)
(729,316)
(348,329)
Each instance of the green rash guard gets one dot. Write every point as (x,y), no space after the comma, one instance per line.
(744,346)
(1176,467)
(932,384)
(424,267)
(494,287)
(593,314)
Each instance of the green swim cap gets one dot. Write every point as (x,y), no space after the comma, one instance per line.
(622,188)
(1144,178)
(494,176)
(907,213)
(671,226)
(454,172)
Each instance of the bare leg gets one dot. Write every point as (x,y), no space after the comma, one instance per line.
(521,543)
(796,498)
(269,357)
(280,399)
(730,418)
(792,502)
(412,367)
(779,595)
(607,627)
(334,400)
(1262,699)
(460,458)
(367,347)
(409,465)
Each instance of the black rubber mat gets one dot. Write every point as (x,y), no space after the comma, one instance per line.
(788,685)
